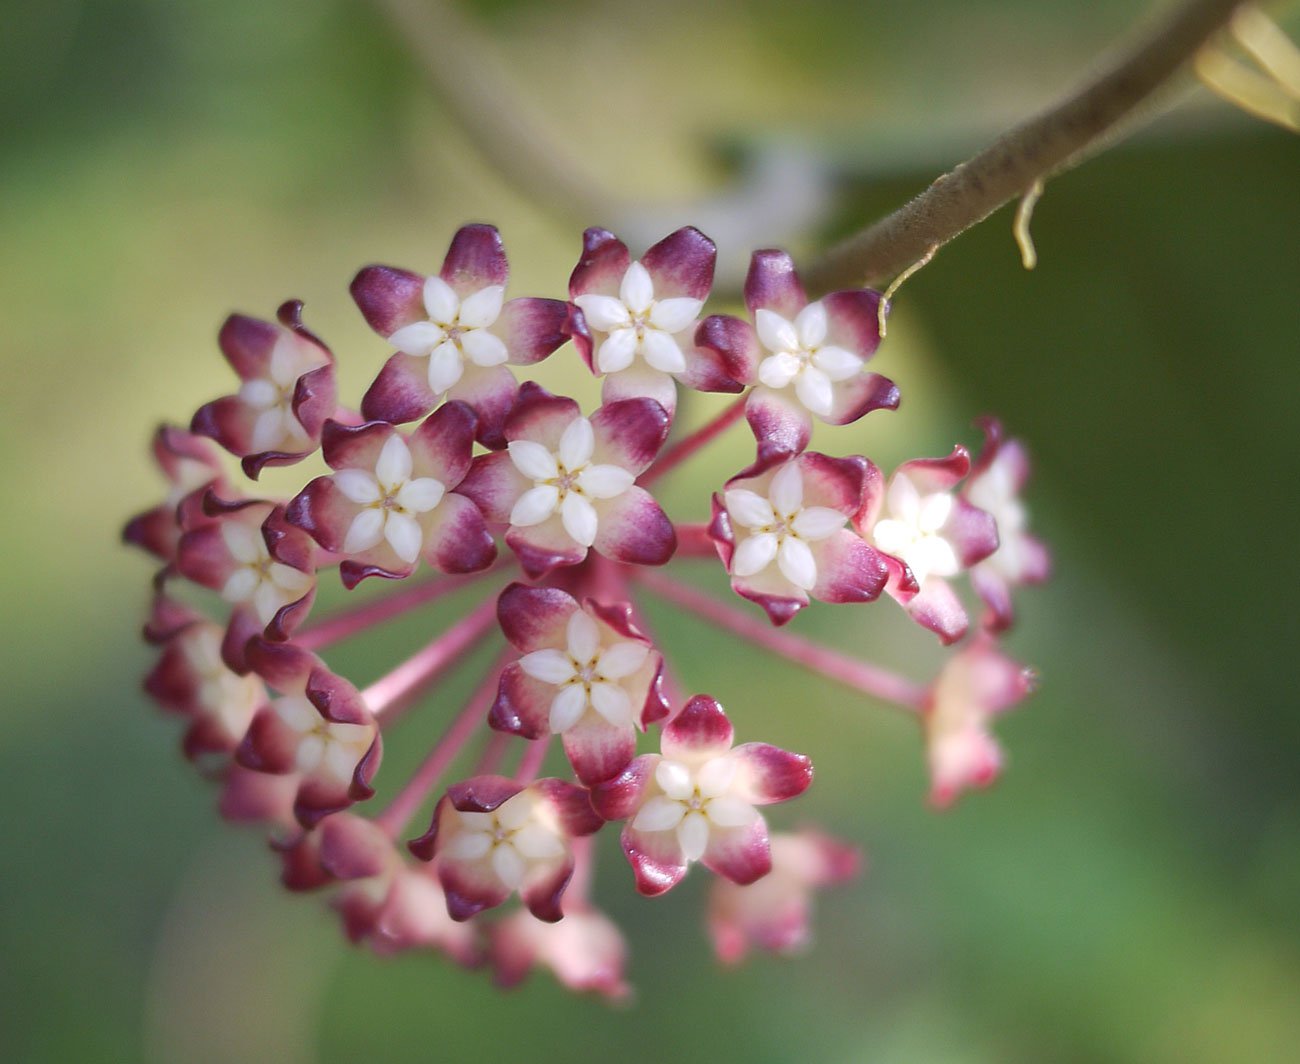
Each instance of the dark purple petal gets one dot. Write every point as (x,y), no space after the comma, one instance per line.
(248,796)
(937,474)
(544,889)
(352,847)
(853,320)
(633,529)
(494,484)
(247,343)
(300,867)
(532,328)
(490,391)
(707,371)
(597,749)
(740,854)
(323,512)
(600,269)
(937,607)
(781,426)
(630,433)
(541,548)
(523,704)
(768,774)
(682,264)
(835,482)
(858,396)
(773,284)
(620,798)
(540,416)
(389,298)
(848,569)
(572,806)
(972,531)
(656,859)
(736,345)
(701,730)
(354,446)
(535,618)
(475,260)
(640,381)
(456,537)
(400,392)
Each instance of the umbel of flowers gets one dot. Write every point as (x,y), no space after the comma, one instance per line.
(456,472)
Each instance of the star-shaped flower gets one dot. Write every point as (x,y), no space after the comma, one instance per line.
(695,801)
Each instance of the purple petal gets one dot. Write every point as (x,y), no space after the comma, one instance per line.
(247,342)
(937,607)
(597,749)
(523,704)
(630,433)
(600,269)
(700,731)
(769,774)
(535,618)
(494,484)
(740,854)
(456,538)
(546,546)
(542,892)
(572,806)
(389,298)
(937,474)
(972,531)
(773,284)
(620,797)
(400,392)
(475,260)
(853,320)
(540,416)
(640,381)
(656,859)
(633,529)
(736,345)
(858,396)
(780,425)
(352,847)
(490,391)
(532,328)
(682,264)
(848,569)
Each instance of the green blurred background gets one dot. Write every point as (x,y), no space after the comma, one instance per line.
(1127,892)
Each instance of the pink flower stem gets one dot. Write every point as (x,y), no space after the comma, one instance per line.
(859,675)
(424,667)
(332,629)
(688,445)
(579,888)
(531,762)
(693,542)
(425,778)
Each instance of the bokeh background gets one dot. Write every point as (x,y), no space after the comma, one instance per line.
(1126,893)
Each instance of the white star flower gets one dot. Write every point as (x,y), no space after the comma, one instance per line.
(457,329)
(391,499)
(911,531)
(800,355)
(636,324)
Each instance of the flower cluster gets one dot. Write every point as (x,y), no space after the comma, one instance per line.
(454,463)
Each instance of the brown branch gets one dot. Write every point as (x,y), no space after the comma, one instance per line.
(1045,145)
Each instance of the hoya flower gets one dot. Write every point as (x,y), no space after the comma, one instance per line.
(587,674)
(927,533)
(391,502)
(492,836)
(193,680)
(455,333)
(287,391)
(566,483)
(695,801)
(385,900)
(190,465)
(804,359)
(319,728)
(774,914)
(248,796)
(977,684)
(995,484)
(585,951)
(780,529)
(639,317)
(262,565)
